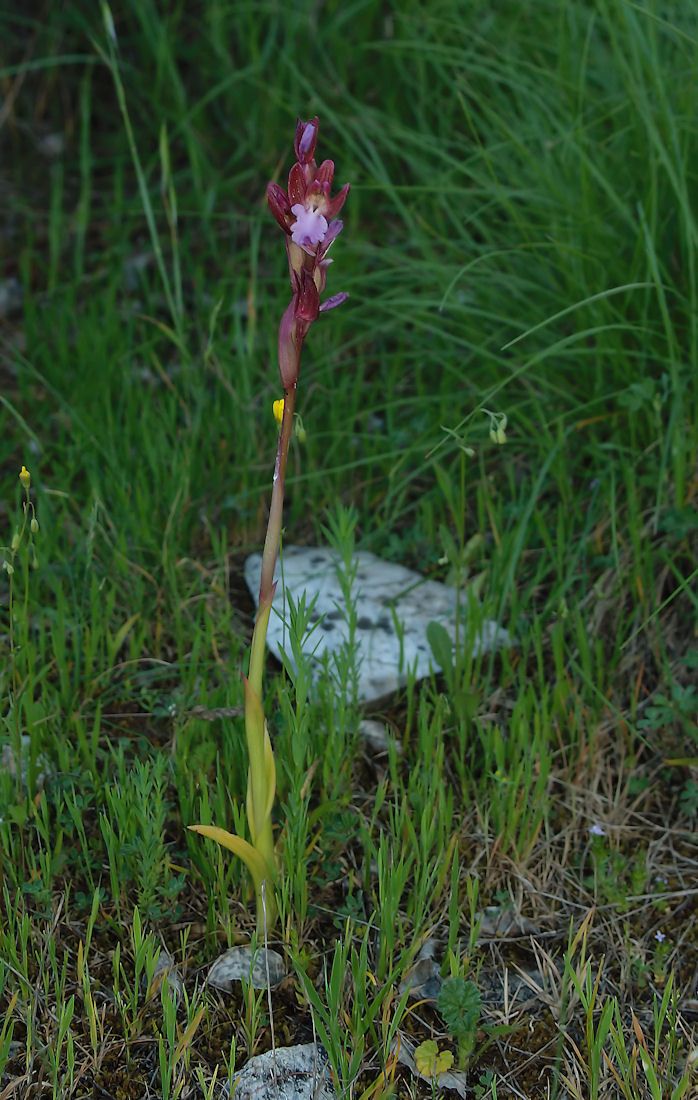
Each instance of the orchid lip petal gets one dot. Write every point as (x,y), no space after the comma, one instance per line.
(310,226)
(334,301)
(333,231)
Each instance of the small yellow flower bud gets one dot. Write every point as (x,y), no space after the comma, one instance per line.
(25,477)
(278,409)
(15,541)
(34,526)
(498,427)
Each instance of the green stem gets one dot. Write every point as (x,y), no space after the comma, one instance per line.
(258,749)
(273,536)
(260,778)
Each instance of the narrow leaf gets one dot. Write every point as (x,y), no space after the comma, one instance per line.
(242,849)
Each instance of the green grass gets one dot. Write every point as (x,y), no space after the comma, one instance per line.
(520,237)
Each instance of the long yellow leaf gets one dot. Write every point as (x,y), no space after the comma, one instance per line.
(244,850)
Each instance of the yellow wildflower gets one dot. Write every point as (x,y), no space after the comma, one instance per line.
(25,477)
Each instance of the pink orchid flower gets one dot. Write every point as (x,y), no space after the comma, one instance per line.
(308,216)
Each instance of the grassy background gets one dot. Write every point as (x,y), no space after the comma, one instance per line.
(521,237)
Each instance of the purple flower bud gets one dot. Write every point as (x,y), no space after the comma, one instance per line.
(306,139)
(289,351)
(279,205)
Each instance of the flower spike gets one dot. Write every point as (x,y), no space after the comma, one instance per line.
(308,216)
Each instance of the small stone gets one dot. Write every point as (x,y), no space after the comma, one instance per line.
(166,972)
(11,295)
(376,736)
(51,145)
(502,922)
(423,980)
(8,762)
(236,964)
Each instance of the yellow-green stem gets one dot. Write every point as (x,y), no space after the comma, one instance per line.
(256,734)
(276,511)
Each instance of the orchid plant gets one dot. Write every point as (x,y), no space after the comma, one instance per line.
(308,216)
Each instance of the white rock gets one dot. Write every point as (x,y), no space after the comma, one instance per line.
(394,606)
(289,1073)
